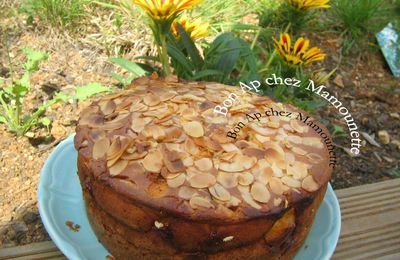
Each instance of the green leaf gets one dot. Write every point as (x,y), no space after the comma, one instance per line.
(206,73)
(83,92)
(45,121)
(130,66)
(190,48)
(151,58)
(3,119)
(179,57)
(62,96)
(33,59)
(24,82)
(19,88)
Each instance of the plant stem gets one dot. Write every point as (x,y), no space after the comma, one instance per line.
(164,55)
(271,58)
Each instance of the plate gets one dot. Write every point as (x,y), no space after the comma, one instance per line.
(60,200)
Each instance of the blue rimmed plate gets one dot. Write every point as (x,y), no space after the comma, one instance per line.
(60,200)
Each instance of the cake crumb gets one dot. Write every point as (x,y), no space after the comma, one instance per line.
(110,257)
(227,239)
(158,224)
(72,226)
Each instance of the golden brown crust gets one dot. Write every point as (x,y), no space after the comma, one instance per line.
(156,166)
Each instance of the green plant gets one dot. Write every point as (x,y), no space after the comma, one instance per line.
(88,90)
(134,68)
(57,13)
(337,131)
(359,19)
(298,13)
(12,97)
(225,15)
(228,59)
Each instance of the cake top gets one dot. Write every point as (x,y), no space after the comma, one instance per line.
(161,143)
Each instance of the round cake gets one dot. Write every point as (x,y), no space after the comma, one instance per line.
(166,175)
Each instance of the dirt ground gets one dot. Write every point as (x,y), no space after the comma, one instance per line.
(365,86)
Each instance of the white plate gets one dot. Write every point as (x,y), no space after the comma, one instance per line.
(60,200)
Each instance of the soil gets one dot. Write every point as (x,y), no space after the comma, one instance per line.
(364,84)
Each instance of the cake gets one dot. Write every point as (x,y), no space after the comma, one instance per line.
(162,178)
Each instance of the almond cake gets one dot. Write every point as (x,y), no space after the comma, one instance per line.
(162,180)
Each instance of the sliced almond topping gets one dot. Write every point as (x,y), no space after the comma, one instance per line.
(313,141)
(108,107)
(191,147)
(138,107)
(228,157)
(309,184)
(277,201)
(296,126)
(204,164)
(265,175)
(133,156)
(294,139)
(313,157)
(260,130)
(276,170)
(290,158)
(186,192)
(157,132)
(262,139)
(233,202)
(116,123)
(153,162)
(188,161)
(240,163)
(167,96)
(198,202)
(138,124)
(227,179)
(274,150)
(298,170)
(254,152)
(194,129)
(299,151)
(273,124)
(291,182)
(260,193)
(200,181)
(151,100)
(117,148)
(245,179)
(118,167)
(177,181)
(100,148)
(276,186)
(244,190)
(229,147)
(219,192)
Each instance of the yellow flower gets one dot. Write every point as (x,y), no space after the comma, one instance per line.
(299,54)
(196,29)
(164,10)
(309,4)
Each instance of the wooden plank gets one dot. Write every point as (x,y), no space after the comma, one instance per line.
(370,222)
(370,226)
(42,250)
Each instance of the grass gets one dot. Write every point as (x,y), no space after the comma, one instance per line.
(225,15)
(359,20)
(57,13)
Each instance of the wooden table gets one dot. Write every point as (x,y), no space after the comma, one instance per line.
(370,226)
